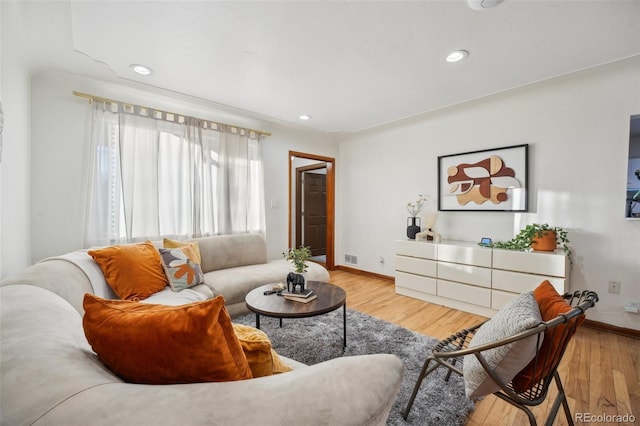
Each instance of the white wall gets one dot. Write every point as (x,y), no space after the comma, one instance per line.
(577,128)
(15,245)
(59,149)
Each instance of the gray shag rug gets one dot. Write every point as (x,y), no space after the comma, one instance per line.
(316,339)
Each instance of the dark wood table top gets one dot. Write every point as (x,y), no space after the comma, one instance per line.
(330,298)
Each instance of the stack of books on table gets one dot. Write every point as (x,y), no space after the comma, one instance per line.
(299,296)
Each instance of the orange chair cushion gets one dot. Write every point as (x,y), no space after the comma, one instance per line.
(160,344)
(551,305)
(133,271)
(263,360)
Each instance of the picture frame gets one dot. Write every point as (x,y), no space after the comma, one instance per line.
(487,180)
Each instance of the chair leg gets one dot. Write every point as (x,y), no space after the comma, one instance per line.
(446,378)
(527,411)
(561,398)
(423,373)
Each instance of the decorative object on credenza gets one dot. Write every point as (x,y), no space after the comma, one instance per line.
(538,237)
(428,235)
(298,257)
(413,222)
(485,242)
(487,180)
(431,222)
(413,227)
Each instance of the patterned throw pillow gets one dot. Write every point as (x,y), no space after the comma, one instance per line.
(193,245)
(181,268)
(518,315)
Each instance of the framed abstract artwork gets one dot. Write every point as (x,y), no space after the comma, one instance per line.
(487,180)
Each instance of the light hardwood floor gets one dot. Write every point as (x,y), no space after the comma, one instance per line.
(600,370)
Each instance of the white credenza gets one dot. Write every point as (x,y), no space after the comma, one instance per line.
(465,276)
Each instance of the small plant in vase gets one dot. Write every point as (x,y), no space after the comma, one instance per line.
(298,257)
(413,222)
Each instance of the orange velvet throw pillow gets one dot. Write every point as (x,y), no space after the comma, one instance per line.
(551,304)
(263,360)
(133,271)
(159,344)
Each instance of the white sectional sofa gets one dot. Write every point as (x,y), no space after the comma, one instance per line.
(50,375)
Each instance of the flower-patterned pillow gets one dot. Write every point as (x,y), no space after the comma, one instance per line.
(181,268)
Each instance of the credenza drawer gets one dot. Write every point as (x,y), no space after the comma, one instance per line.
(466,293)
(551,264)
(468,255)
(416,282)
(417,249)
(416,265)
(501,298)
(516,282)
(464,274)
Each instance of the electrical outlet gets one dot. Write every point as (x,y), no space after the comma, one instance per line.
(614,287)
(632,307)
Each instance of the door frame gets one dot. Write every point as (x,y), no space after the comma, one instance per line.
(331,185)
(300,171)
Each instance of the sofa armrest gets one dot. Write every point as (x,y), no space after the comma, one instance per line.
(59,276)
(358,390)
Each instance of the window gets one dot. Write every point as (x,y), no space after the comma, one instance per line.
(152,177)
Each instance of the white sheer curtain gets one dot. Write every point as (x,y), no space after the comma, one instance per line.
(152,177)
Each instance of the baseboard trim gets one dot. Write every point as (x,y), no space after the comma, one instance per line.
(364,273)
(622,331)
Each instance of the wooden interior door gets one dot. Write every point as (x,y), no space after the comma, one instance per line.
(314,201)
(295,195)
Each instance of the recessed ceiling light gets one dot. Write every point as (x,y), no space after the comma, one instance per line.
(305,117)
(456,56)
(483,4)
(141,69)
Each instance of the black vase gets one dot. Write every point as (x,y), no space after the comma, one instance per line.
(413,227)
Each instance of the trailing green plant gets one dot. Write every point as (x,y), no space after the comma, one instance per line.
(298,257)
(524,238)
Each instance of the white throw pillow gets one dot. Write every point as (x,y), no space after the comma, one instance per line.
(518,315)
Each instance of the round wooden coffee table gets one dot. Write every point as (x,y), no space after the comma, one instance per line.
(330,298)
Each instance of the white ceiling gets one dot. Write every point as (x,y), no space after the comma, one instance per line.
(351,65)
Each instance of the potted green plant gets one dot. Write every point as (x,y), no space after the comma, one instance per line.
(533,236)
(298,257)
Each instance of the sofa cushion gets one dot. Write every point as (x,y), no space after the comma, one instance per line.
(169,297)
(551,304)
(263,360)
(235,283)
(518,315)
(133,271)
(230,251)
(158,344)
(181,267)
